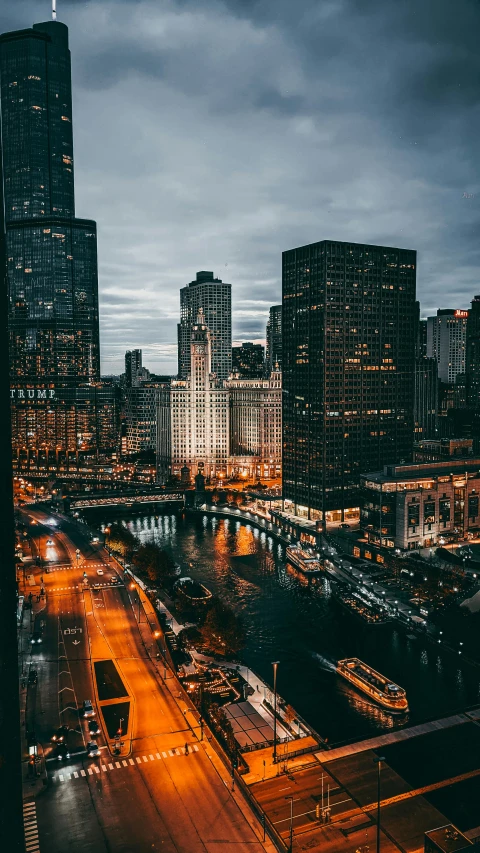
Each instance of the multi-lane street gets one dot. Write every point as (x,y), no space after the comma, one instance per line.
(162,788)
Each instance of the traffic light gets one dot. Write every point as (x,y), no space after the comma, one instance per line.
(235,762)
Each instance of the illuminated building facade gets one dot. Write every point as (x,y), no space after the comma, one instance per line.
(193,416)
(446,342)
(51,255)
(348,364)
(255,427)
(214,297)
(417,506)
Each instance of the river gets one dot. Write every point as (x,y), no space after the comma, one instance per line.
(307,631)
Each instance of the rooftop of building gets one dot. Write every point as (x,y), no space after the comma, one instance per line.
(448,838)
(423,471)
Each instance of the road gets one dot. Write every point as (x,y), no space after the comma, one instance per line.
(153,796)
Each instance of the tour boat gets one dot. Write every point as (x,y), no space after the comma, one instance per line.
(361,606)
(376,686)
(303,561)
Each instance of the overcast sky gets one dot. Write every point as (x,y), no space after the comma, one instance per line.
(215,134)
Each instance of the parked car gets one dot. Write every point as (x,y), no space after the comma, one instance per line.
(93,727)
(32,677)
(87,708)
(99,571)
(36,638)
(344,526)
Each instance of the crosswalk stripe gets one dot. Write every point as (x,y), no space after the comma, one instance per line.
(60,776)
(104,768)
(75,774)
(96,768)
(158,755)
(195,746)
(82,772)
(117,764)
(151,758)
(145,758)
(131,761)
(124,763)
(110,766)
(170,752)
(139,760)
(30,819)
(164,754)
(90,771)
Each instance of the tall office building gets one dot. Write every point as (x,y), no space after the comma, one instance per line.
(348,362)
(255,427)
(473,355)
(273,360)
(446,342)
(192,416)
(133,365)
(51,255)
(426,398)
(214,297)
(248,360)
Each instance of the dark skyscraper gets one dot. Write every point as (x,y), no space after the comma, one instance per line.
(214,297)
(274,340)
(473,355)
(51,255)
(248,360)
(348,363)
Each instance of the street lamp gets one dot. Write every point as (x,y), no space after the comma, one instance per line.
(275,665)
(291,823)
(378,760)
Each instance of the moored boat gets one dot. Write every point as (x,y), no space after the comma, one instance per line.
(386,693)
(303,561)
(361,606)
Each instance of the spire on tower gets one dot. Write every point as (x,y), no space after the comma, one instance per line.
(54,10)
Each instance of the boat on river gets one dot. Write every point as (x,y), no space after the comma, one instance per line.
(361,606)
(386,693)
(302,560)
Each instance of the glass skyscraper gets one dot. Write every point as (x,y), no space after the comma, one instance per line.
(214,297)
(51,255)
(348,371)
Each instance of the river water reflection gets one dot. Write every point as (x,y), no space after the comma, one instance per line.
(308,631)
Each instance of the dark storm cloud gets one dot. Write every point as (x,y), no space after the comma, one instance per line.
(214,135)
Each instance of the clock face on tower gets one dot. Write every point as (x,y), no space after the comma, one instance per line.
(199,349)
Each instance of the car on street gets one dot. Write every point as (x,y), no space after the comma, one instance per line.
(95,540)
(62,752)
(61,735)
(32,677)
(49,541)
(93,727)
(87,708)
(92,749)
(344,526)
(36,638)
(99,571)
(114,579)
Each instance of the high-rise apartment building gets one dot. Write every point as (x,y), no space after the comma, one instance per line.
(214,297)
(141,416)
(192,416)
(348,362)
(446,342)
(133,366)
(248,360)
(273,360)
(473,355)
(51,255)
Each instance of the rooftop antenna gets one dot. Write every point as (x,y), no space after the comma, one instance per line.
(54,10)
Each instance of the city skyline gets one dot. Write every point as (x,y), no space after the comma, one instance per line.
(274,204)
